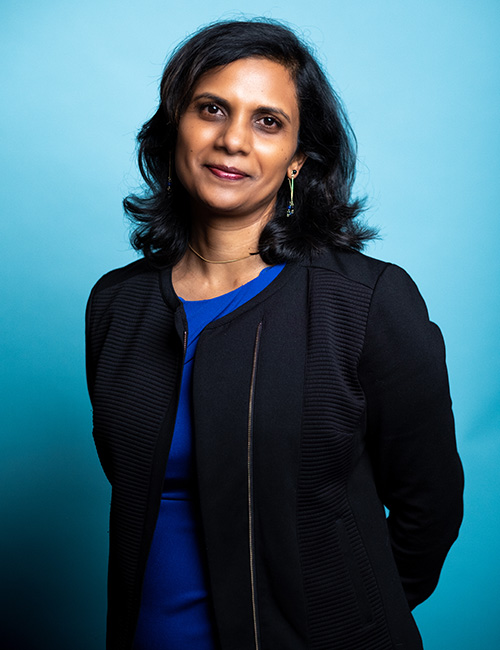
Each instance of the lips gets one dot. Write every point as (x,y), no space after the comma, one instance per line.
(227,173)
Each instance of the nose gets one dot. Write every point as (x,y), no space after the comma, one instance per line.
(235,135)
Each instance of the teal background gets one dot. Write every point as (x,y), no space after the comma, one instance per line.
(421,84)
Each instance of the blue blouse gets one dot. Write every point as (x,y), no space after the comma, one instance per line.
(175,609)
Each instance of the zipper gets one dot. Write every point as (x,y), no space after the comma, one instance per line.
(251,536)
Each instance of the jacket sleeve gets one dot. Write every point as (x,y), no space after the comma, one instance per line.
(91,363)
(410,431)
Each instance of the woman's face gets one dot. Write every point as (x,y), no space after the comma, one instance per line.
(237,139)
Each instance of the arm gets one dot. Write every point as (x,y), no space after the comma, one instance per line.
(411,431)
(90,362)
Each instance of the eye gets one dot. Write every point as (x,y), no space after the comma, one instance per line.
(270,123)
(210,109)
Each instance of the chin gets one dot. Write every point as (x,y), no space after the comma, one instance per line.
(223,208)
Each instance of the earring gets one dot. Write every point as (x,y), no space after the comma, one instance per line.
(291,208)
(169,177)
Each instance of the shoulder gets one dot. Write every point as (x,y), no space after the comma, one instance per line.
(350,265)
(363,270)
(125,291)
(383,293)
(138,270)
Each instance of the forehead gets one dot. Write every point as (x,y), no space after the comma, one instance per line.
(253,80)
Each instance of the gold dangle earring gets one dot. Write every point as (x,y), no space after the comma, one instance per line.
(291,208)
(169,177)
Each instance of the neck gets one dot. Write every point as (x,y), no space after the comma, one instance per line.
(204,259)
(231,259)
(222,239)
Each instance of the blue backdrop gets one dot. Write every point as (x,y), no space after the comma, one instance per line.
(421,84)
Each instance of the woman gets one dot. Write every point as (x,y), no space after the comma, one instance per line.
(260,389)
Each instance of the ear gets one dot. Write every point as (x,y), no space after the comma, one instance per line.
(296,164)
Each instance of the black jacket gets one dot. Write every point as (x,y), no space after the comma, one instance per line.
(319,401)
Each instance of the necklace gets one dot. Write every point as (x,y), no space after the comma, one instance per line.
(238,259)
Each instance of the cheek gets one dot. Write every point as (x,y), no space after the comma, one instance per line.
(277,161)
(182,158)
(279,153)
(192,144)
(183,145)
(186,134)
(185,149)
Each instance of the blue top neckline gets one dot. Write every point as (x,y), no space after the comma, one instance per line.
(276,270)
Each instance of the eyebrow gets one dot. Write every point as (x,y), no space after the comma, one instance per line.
(260,109)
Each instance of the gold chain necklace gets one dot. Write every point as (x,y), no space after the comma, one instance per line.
(238,259)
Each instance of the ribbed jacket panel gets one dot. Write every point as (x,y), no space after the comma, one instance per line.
(136,374)
(335,565)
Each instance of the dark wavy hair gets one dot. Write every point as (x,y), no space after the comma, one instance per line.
(325,214)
